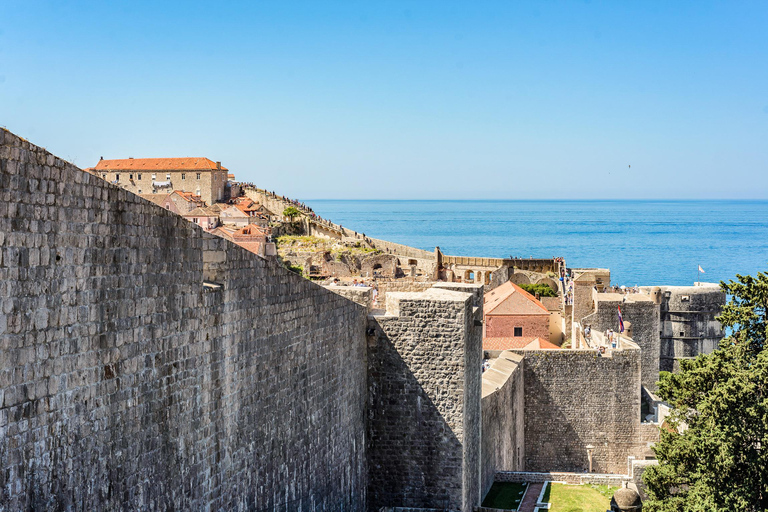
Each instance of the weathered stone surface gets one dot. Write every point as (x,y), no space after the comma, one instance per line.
(129,385)
(573,398)
(424,402)
(503,447)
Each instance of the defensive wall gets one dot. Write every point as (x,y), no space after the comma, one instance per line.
(503,447)
(149,365)
(424,358)
(146,364)
(575,398)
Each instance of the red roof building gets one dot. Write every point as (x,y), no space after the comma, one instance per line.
(513,318)
(198,176)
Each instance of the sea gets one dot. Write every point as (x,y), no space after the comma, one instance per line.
(643,242)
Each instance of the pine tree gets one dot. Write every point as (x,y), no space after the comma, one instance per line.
(713,453)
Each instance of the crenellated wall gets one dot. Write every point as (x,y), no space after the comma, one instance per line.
(147,365)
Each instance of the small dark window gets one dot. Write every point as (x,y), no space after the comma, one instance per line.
(117,177)
(518,331)
(130,177)
(682,333)
(139,176)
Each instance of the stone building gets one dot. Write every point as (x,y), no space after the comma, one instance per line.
(200,176)
(253,238)
(178,201)
(205,217)
(687,321)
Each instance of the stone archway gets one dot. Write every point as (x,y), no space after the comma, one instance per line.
(549,282)
(519,278)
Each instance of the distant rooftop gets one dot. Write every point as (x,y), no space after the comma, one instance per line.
(158,164)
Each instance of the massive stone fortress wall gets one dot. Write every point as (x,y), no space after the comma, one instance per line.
(503,446)
(573,398)
(126,382)
(424,403)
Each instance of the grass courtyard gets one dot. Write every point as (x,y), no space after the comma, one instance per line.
(505,495)
(579,498)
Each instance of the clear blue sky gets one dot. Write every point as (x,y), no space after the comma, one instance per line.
(392,99)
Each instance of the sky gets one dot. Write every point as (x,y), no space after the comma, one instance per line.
(404,100)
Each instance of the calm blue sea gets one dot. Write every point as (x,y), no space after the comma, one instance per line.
(642,242)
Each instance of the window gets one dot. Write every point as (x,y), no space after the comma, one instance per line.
(518,332)
(103,176)
(197,192)
(130,177)
(139,191)
(183,176)
(198,175)
(117,177)
(168,177)
(139,176)
(154,177)
(195,219)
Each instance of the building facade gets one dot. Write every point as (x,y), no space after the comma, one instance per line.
(200,176)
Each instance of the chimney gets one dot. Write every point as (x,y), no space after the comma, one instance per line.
(218,165)
(102,158)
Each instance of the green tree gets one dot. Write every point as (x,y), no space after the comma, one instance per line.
(291,212)
(713,453)
(542,289)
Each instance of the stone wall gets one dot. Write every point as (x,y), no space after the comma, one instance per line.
(400,285)
(424,402)
(147,365)
(362,295)
(503,426)
(574,398)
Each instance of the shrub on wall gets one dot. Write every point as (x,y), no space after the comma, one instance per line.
(542,289)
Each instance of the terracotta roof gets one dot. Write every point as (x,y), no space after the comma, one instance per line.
(155,198)
(158,164)
(520,342)
(201,212)
(510,299)
(188,196)
(233,212)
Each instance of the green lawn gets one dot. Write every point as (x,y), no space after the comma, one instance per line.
(505,495)
(579,498)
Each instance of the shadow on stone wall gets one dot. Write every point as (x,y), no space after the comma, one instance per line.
(415,459)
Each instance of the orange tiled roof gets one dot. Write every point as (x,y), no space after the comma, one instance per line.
(510,299)
(189,196)
(158,164)
(520,342)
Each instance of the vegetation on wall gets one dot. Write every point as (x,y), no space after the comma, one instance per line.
(542,289)
(713,451)
(291,212)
